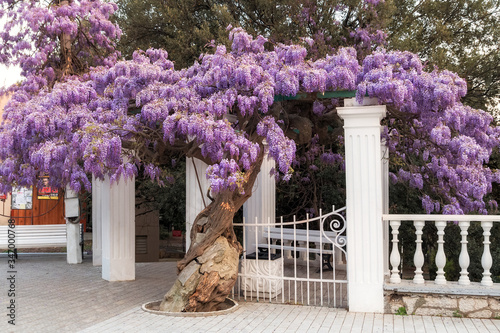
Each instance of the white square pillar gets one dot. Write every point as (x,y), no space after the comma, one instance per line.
(72,215)
(197,186)
(365,245)
(261,206)
(96,222)
(118,229)
(73,248)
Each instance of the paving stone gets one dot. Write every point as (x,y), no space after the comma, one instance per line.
(52,296)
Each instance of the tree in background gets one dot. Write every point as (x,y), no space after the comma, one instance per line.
(185,27)
(54,40)
(461,36)
(136,116)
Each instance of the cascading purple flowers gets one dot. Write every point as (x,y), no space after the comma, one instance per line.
(120,117)
(446,143)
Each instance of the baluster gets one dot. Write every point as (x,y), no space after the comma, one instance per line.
(463,259)
(395,257)
(418,258)
(486,259)
(440,256)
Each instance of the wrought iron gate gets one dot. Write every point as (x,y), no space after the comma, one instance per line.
(297,262)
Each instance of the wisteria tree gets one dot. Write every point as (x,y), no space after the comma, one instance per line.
(128,117)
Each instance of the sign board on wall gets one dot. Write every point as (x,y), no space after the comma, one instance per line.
(47,192)
(22,198)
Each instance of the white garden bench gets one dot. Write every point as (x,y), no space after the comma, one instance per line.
(296,240)
(34,236)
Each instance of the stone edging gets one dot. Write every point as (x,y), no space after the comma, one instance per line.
(233,308)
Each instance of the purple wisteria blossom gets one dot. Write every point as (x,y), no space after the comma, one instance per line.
(92,113)
(446,145)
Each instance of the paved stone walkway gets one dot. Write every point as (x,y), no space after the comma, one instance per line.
(52,296)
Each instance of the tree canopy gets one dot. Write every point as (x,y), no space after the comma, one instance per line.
(461,36)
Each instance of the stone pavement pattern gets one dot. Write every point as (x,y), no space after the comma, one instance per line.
(265,317)
(53,296)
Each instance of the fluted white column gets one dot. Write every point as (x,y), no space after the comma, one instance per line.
(418,258)
(118,230)
(261,206)
(96,222)
(464,259)
(365,238)
(197,187)
(440,255)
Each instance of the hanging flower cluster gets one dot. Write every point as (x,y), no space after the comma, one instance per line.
(439,141)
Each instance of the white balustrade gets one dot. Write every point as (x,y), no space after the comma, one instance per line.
(395,257)
(464,260)
(418,259)
(486,259)
(441,221)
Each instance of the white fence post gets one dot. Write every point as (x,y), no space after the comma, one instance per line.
(262,204)
(365,237)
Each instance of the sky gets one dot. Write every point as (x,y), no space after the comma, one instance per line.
(9,76)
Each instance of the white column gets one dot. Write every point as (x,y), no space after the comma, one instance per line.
(197,187)
(365,237)
(96,222)
(118,230)
(72,215)
(262,204)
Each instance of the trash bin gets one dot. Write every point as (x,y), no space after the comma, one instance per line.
(262,276)
(264,255)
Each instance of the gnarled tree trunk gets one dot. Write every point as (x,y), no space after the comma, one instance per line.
(209,269)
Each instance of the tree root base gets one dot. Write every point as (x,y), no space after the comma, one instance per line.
(226,307)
